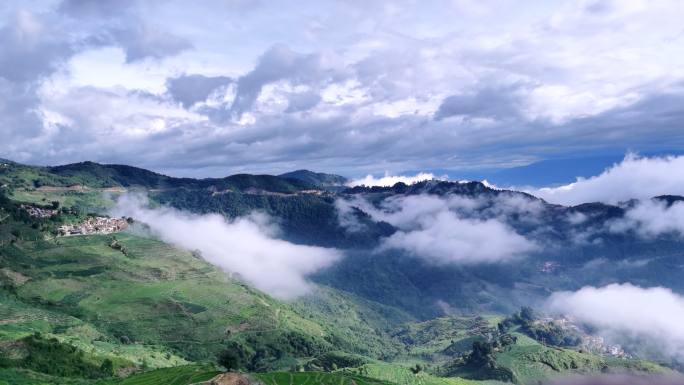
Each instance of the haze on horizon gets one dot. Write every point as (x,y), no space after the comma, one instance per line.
(356,88)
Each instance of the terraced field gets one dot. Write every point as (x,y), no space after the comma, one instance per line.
(153,294)
(180,375)
(402,375)
(316,378)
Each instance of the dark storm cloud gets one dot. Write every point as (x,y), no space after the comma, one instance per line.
(30,48)
(488,102)
(120,23)
(100,8)
(302,101)
(278,63)
(190,89)
(141,41)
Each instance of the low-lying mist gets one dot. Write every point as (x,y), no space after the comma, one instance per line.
(446,230)
(247,246)
(636,317)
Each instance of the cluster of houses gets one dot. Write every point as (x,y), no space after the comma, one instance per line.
(38,212)
(591,343)
(597,344)
(94,225)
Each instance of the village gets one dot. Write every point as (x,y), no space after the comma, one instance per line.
(590,343)
(91,225)
(94,225)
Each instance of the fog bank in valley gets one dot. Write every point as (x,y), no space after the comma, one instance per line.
(247,246)
(626,313)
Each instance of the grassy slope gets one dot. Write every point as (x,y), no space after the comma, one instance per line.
(155,295)
(435,339)
(362,326)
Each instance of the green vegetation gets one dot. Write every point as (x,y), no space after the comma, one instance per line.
(52,357)
(549,333)
(402,375)
(318,378)
(335,360)
(179,375)
(88,309)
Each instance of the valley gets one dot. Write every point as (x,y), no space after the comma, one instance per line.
(127,307)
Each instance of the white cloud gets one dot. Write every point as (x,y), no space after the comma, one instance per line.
(391,180)
(527,86)
(633,178)
(445,238)
(446,230)
(651,218)
(625,312)
(246,246)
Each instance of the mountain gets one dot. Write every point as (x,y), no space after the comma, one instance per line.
(319,179)
(129,302)
(96,176)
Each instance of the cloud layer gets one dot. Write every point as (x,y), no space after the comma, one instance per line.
(626,313)
(633,178)
(246,246)
(349,87)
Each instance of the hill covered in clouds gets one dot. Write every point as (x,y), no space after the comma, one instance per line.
(402,260)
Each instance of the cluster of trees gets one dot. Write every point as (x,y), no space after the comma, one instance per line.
(263,352)
(48,355)
(549,333)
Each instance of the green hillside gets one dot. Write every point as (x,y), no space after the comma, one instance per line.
(86,176)
(127,308)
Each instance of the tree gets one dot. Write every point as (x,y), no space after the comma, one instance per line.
(230,359)
(482,355)
(527,314)
(55,205)
(107,368)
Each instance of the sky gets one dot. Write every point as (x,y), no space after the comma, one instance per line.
(450,87)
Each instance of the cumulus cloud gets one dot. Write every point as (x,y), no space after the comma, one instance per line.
(391,180)
(445,230)
(625,312)
(247,246)
(634,178)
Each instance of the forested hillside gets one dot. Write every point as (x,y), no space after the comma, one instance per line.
(127,307)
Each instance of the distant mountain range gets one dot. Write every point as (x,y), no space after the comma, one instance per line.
(408,287)
(393,276)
